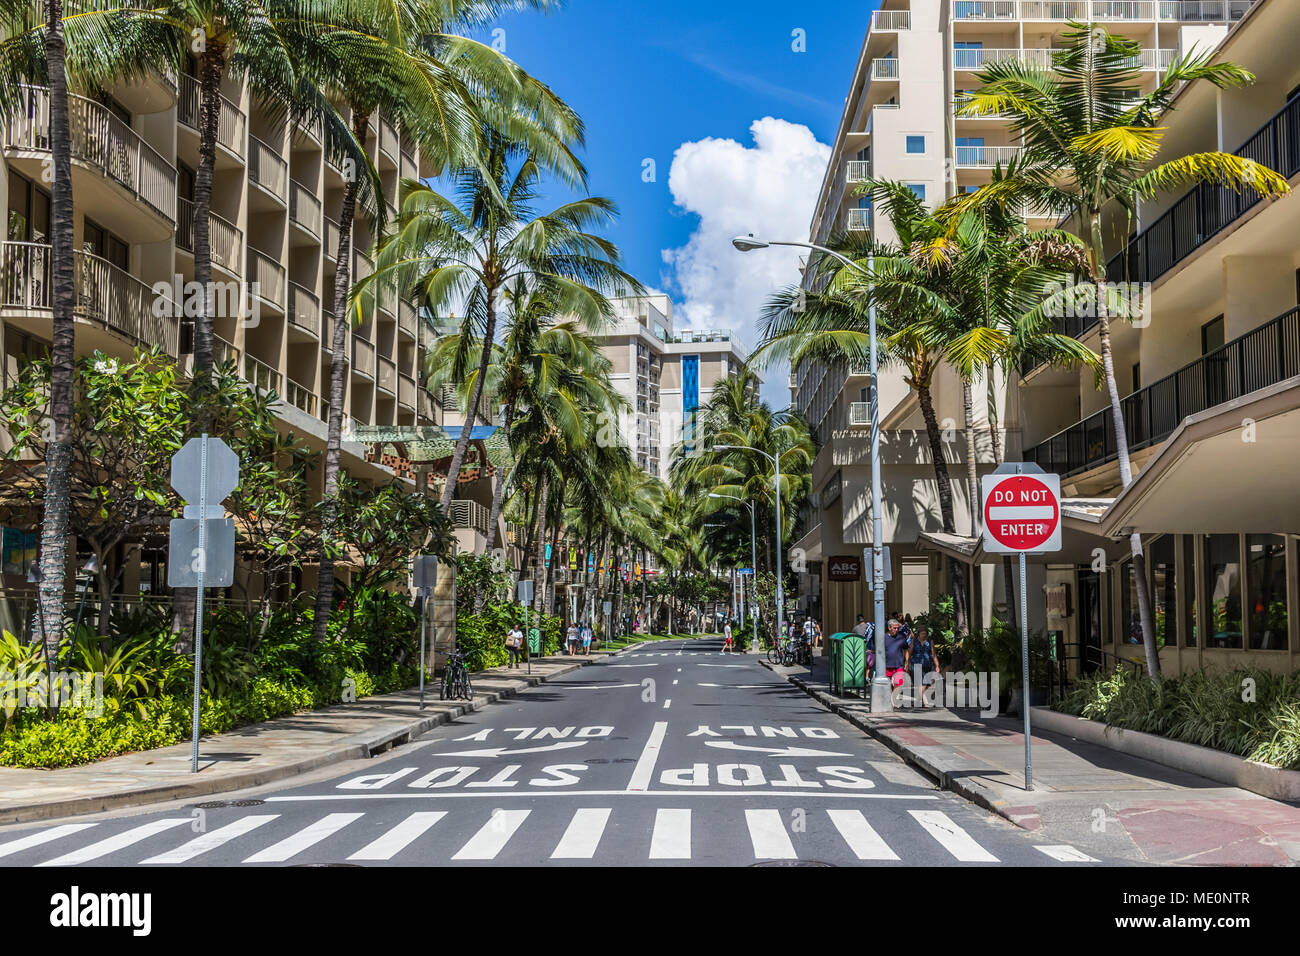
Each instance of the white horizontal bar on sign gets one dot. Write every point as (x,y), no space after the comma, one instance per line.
(215,512)
(1022,513)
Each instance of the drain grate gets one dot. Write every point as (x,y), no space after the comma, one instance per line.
(247,803)
(596,760)
(211,805)
(792,863)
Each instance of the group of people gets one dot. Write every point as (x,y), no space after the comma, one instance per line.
(578,638)
(908,647)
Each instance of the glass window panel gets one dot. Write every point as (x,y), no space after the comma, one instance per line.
(1223,587)
(1188,591)
(1130,616)
(1266,573)
(1164,602)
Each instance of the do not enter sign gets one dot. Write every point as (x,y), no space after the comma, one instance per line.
(1022,512)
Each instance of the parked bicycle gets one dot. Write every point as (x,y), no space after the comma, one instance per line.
(455,678)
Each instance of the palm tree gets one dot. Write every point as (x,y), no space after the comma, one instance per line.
(473,250)
(1089,137)
(442,89)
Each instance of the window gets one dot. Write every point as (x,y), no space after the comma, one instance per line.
(1130,611)
(1137,375)
(1266,574)
(1164,599)
(1222,570)
(29,211)
(1189,598)
(100,242)
(916,144)
(1212,335)
(918,189)
(970,189)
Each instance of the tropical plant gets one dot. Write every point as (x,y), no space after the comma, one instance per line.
(1089,140)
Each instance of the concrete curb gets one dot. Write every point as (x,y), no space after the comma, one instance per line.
(356,746)
(1264,779)
(947,768)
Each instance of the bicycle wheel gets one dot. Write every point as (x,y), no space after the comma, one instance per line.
(463,689)
(445,690)
(773,656)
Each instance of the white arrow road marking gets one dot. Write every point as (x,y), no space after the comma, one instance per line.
(775,751)
(499,751)
(1066,854)
(645,765)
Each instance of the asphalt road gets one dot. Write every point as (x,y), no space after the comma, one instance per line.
(671,754)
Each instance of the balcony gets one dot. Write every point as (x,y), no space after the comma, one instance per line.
(985,157)
(1261,357)
(891,21)
(1202,213)
(859,414)
(406,318)
(469,514)
(1189,11)
(260,375)
(267,169)
(1101,10)
(859,220)
(386,376)
(386,299)
(231,121)
(406,391)
(387,137)
(105,295)
(140,198)
(267,276)
(363,358)
(225,239)
(304,310)
(857,170)
(301,397)
(884,68)
(304,209)
(331,241)
(327,331)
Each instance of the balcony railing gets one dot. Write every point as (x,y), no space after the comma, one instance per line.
(884,68)
(857,170)
(260,375)
(101,140)
(363,357)
(1196,10)
(860,413)
(267,167)
(386,375)
(301,397)
(225,239)
(331,239)
(386,298)
(985,156)
(890,21)
(327,330)
(230,118)
(406,318)
(405,390)
(104,294)
(1101,10)
(469,514)
(1261,357)
(304,208)
(269,276)
(1203,212)
(304,309)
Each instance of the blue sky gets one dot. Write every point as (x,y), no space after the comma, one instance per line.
(683,84)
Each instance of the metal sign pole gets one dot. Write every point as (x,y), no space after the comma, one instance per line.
(1024,671)
(424,621)
(198,603)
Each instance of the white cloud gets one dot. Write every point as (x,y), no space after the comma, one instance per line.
(768,189)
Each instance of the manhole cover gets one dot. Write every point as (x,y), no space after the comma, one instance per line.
(792,863)
(212,805)
(247,803)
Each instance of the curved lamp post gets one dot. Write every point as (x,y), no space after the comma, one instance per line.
(881,696)
(753,556)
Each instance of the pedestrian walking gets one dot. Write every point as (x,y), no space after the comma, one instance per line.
(895,652)
(571,639)
(726,639)
(921,659)
(861,627)
(586,639)
(514,644)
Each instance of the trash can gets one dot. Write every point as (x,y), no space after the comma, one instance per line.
(848,663)
(534,641)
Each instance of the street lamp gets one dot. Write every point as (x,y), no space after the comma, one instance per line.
(881,698)
(753,559)
(780,586)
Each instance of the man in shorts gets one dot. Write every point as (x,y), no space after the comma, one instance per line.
(571,638)
(726,639)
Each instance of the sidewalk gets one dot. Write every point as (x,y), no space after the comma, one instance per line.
(260,753)
(1084,794)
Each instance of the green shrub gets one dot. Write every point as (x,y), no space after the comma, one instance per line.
(1213,710)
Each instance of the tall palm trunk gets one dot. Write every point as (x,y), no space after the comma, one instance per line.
(339,362)
(462,443)
(1121,447)
(58,452)
(972,469)
(1008,576)
(541,574)
(498,496)
(955,574)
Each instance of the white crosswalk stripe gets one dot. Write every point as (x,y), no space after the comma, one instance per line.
(583,834)
(583,837)
(952,837)
(45,836)
(1064,853)
(671,839)
(210,841)
(767,833)
(489,841)
(305,838)
(118,841)
(399,837)
(861,837)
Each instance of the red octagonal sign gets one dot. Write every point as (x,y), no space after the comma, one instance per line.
(1022,513)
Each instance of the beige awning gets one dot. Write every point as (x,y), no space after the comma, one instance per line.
(1080,538)
(1232,468)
